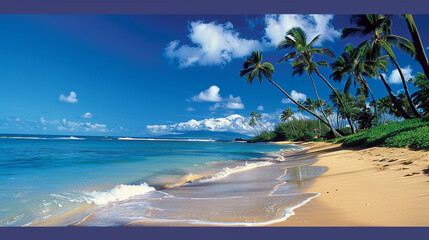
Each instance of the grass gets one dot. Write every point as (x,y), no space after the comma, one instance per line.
(413,133)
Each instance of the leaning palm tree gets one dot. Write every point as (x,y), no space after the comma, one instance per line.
(258,118)
(417,42)
(253,67)
(302,54)
(374,63)
(379,27)
(252,124)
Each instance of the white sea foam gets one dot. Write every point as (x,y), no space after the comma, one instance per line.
(70,138)
(228,171)
(119,193)
(31,138)
(169,139)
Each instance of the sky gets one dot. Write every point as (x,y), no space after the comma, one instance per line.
(148,75)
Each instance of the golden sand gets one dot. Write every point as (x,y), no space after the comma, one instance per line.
(366,187)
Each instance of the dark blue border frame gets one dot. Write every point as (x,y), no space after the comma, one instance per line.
(224,233)
(213,7)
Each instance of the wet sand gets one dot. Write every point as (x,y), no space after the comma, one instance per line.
(365,187)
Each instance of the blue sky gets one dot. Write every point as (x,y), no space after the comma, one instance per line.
(142,75)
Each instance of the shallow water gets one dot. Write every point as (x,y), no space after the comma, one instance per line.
(62,180)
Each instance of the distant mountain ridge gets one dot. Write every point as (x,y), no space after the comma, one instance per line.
(205,135)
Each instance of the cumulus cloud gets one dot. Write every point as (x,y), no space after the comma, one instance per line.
(229,103)
(232,123)
(209,95)
(190,109)
(71,98)
(87,115)
(395,78)
(211,44)
(260,108)
(297,96)
(276,27)
(234,103)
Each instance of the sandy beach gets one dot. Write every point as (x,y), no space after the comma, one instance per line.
(361,187)
(365,187)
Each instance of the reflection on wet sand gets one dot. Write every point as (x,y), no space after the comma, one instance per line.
(257,196)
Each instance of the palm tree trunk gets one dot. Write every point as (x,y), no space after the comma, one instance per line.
(336,134)
(299,105)
(370,92)
(339,99)
(394,99)
(410,100)
(262,125)
(293,129)
(417,42)
(253,132)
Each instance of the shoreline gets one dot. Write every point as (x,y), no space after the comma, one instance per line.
(365,187)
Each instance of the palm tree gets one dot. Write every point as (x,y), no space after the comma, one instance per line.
(417,42)
(258,118)
(253,67)
(421,97)
(252,123)
(245,124)
(303,54)
(286,116)
(378,26)
(329,111)
(375,63)
(350,64)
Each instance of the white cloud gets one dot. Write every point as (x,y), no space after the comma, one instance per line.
(229,103)
(232,123)
(395,78)
(276,27)
(71,126)
(211,44)
(71,98)
(87,115)
(400,91)
(234,103)
(190,109)
(297,96)
(209,95)
(260,108)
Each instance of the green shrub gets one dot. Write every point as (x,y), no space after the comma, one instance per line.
(413,133)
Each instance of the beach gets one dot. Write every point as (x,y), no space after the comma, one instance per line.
(361,187)
(188,183)
(365,187)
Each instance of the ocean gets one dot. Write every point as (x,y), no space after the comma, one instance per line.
(110,181)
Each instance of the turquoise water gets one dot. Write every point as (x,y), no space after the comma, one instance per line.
(49,175)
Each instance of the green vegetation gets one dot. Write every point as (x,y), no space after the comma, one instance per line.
(413,133)
(360,119)
(304,130)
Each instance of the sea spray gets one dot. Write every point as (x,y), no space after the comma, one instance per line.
(228,171)
(118,193)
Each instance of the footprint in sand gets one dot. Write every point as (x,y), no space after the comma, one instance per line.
(411,174)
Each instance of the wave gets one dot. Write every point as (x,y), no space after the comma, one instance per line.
(70,138)
(32,138)
(225,172)
(118,193)
(166,139)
